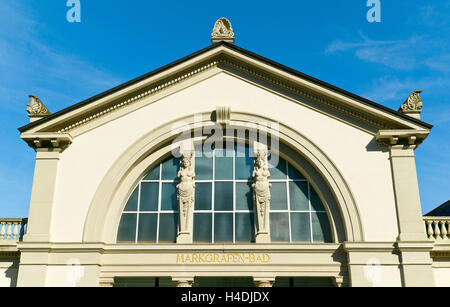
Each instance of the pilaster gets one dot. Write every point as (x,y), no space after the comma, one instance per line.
(42,195)
(415,261)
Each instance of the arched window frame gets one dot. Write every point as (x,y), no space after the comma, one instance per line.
(287,180)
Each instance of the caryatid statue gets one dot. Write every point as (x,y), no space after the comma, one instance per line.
(185,196)
(261,194)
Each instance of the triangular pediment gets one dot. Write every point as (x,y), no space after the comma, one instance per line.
(235,61)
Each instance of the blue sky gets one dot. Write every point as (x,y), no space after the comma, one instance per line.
(63,63)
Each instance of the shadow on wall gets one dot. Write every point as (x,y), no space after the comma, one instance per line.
(374,146)
(11,274)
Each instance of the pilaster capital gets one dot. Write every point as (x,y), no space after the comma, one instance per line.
(44,141)
(264,282)
(402,139)
(183,282)
(106,282)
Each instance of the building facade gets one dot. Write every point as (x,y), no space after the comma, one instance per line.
(226,168)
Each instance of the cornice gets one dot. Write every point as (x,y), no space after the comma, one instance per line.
(410,138)
(42,140)
(223,62)
(143,94)
(299,91)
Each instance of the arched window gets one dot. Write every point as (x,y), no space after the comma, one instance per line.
(224,210)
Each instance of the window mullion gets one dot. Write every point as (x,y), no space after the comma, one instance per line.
(234,196)
(310,213)
(288,202)
(137,213)
(213,195)
(159,203)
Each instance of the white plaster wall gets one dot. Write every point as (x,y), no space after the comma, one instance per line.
(442,275)
(72,276)
(84,164)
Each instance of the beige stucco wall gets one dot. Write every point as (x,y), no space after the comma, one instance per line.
(441,272)
(84,164)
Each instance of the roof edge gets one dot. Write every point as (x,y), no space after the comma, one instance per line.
(243,51)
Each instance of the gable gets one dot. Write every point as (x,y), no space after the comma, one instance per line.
(224,57)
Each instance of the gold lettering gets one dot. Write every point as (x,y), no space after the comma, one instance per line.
(208,258)
(242,258)
(180,258)
(200,258)
(195,258)
(252,258)
(259,258)
(187,258)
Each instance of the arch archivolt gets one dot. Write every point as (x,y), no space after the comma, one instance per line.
(110,198)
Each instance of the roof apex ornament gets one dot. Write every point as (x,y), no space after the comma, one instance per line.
(222,31)
(413,105)
(36,109)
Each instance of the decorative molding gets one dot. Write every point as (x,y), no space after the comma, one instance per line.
(183,282)
(440,255)
(261,193)
(278,82)
(186,192)
(413,104)
(48,140)
(264,282)
(223,31)
(408,138)
(223,115)
(36,109)
(155,89)
(257,73)
(309,95)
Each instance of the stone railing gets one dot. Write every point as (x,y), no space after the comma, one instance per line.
(12,229)
(437,227)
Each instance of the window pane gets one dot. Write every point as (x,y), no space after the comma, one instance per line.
(202,227)
(300,228)
(223,196)
(203,167)
(149,196)
(294,174)
(153,174)
(203,196)
(127,228)
(279,227)
(277,167)
(245,229)
(169,197)
(244,196)
(147,227)
(244,163)
(223,227)
(168,224)
(321,228)
(316,203)
(278,197)
(224,164)
(170,169)
(298,195)
(132,201)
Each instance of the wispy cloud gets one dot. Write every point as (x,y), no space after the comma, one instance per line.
(389,88)
(398,54)
(29,65)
